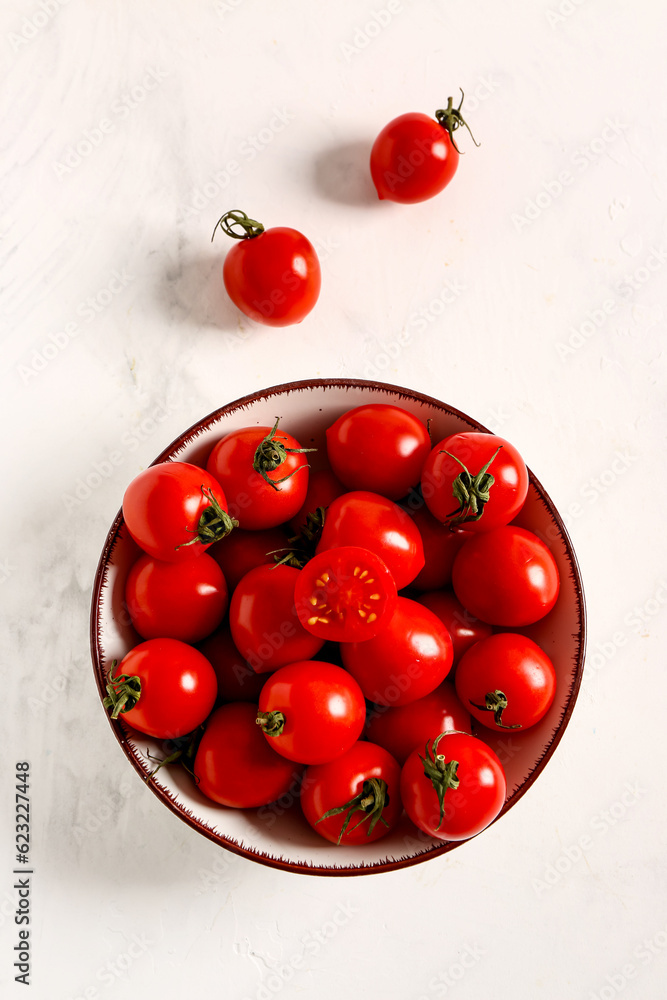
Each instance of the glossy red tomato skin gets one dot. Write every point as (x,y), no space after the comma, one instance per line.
(412,159)
(185,601)
(178,688)
(162,507)
(324,710)
(376,523)
(323,487)
(328,786)
(474,449)
(440,547)
(265,626)
(506,576)
(242,551)
(378,447)
(252,501)
(237,681)
(404,728)
(515,665)
(406,661)
(463,627)
(345,594)
(471,807)
(273,278)
(234,765)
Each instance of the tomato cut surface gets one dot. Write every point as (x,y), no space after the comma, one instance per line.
(345,594)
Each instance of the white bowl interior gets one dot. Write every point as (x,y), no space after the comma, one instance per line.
(277,834)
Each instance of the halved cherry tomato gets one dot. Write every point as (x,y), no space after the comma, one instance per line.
(506,681)
(311,711)
(235,766)
(378,524)
(354,799)
(184,601)
(345,594)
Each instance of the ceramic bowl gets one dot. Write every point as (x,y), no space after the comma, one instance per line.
(277,835)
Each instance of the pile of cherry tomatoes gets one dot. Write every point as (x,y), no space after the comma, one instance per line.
(300,629)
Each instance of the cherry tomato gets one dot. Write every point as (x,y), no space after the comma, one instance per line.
(175,510)
(506,577)
(506,681)
(378,447)
(373,522)
(170,688)
(355,798)
(345,594)
(311,711)
(414,157)
(454,788)
(235,766)
(440,547)
(475,479)
(237,681)
(402,729)
(265,626)
(272,275)
(410,657)
(264,473)
(184,601)
(463,627)
(242,551)
(323,487)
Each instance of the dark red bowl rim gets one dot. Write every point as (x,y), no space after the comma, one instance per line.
(165,797)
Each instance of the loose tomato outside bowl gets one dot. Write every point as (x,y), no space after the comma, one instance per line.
(277,835)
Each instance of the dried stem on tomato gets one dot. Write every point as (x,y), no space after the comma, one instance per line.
(496,702)
(451,118)
(371,800)
(441,774)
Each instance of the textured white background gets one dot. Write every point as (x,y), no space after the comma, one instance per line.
(542,317)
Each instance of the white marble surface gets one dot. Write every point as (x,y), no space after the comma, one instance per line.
(116,336)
